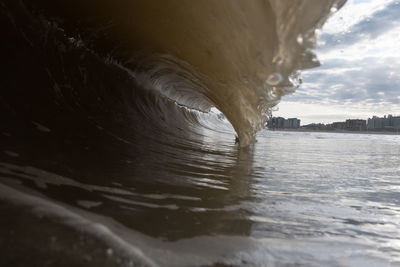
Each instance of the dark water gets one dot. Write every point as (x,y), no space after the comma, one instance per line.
(306,199)
(115,158)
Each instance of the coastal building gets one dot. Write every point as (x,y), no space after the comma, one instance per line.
(386,123)
(356,125)
(275,123)
(292,123)
(339,125)
(396,122)
(282,123)
(296,123)
(315,126)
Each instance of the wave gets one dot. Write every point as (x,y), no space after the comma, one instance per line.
(240,57)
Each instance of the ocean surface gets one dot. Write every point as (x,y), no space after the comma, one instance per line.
(291,199)
(131,135)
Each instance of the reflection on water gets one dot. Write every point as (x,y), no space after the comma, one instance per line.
(169,192)
(292,198)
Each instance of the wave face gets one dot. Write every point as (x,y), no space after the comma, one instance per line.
(238,56)
(117,116)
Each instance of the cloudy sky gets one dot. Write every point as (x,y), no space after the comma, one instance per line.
(359,48)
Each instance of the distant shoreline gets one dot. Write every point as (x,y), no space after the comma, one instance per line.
(338,131)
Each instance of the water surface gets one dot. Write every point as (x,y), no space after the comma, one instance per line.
(307,199)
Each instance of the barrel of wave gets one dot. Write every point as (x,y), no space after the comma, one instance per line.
(242,50)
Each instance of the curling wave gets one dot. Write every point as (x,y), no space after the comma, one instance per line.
(238,56)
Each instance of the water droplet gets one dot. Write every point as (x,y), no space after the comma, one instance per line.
(109,252)
(334,9)
(277,60)
(295,80)
(274,79)
(300,39)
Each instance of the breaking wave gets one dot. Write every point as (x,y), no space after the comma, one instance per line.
(240,57)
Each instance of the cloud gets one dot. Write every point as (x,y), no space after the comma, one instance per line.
(359,76)
(368,28)
(351,81)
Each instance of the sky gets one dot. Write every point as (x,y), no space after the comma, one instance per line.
(359,76)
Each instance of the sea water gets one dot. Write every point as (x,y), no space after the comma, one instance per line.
(293,198)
